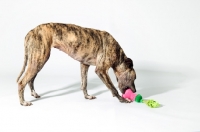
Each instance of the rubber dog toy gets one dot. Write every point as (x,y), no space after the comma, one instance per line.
(129,95)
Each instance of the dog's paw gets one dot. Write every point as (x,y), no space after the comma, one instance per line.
(122,100)
(26,103)
(34,94)
(90,97)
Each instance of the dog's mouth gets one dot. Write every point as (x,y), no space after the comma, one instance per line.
(124,89)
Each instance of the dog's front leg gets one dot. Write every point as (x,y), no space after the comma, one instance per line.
(103,75)
(84,72)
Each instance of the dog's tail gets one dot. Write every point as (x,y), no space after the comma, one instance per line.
(25,61)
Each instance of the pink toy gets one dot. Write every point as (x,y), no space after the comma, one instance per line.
(129,95)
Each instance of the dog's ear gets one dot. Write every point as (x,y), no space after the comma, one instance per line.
(129,63)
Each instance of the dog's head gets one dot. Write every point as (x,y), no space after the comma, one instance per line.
(127,78)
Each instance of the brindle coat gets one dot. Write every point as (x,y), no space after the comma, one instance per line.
(88,46)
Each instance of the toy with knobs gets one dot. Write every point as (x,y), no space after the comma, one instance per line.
(129,95)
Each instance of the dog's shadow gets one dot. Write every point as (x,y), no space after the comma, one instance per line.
(153,82)
(148,83)
(72,88)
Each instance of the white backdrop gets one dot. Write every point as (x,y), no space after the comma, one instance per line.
(157,32)
(162,37)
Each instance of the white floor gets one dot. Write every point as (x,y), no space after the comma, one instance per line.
(63,108)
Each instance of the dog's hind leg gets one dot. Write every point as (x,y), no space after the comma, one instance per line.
(30,73)
(38,53)
(31,85)
(84,72)
(34,67)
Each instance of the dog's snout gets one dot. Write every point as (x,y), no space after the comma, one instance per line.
(135,91)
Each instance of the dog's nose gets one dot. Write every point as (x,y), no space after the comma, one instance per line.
(134,90)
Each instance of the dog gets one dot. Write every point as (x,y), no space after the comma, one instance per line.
(86,45)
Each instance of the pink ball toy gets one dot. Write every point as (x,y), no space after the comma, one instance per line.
(129,95)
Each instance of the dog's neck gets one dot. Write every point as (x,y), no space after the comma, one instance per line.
(120,69)
(119,66)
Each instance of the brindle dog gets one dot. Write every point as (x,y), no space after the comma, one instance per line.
(86,45)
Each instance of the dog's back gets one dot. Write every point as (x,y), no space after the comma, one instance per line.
(82,44)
